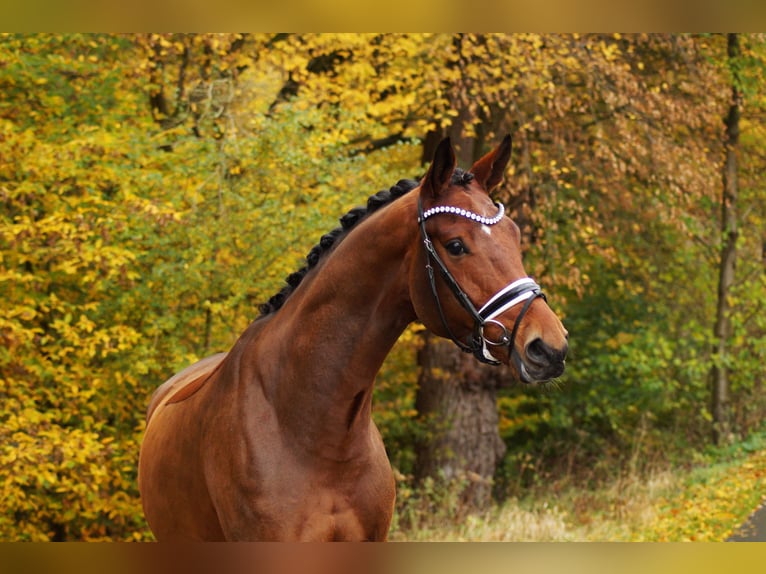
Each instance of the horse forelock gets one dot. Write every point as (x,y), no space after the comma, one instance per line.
(329,240)
(461,177)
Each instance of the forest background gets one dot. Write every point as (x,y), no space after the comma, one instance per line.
(155,188)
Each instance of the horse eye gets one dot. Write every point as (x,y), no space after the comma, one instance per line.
(456,247)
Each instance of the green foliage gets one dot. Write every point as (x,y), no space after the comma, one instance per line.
(129,252)
(641,240)
(434,501)
(394,402)
(68,423)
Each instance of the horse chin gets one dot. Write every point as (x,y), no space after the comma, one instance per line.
(529,375)
(528,378)
(532,377)
(524,375)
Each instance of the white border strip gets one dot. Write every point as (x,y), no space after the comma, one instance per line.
(467,214)
(513,302)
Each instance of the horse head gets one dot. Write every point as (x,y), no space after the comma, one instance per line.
(467,281)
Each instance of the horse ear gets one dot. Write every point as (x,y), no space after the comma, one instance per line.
(489,170)
(440,171)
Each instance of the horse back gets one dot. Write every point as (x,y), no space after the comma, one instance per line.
(184,384)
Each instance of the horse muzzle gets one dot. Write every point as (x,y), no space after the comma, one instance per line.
(541,361)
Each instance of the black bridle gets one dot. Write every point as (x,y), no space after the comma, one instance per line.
(522,290)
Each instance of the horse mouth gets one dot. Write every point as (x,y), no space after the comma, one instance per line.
(532,375)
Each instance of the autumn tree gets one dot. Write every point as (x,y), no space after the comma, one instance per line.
(614,213)
(626,207)
(156,188)
(602,186)
(67,428)
(722,330)
(738,313)
(596,121)
(150,200)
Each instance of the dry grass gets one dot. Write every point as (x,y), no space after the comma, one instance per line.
(613,513)
(704,504)
(618,511)
(507,523)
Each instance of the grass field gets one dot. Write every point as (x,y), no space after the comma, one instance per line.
(701,502)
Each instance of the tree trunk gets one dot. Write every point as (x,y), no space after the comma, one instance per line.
(456,399)
(456,396)
(722,329)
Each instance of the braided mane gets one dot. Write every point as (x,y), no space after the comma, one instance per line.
(329,240)
(348,222)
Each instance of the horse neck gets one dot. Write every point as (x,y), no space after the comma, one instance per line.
(327,343)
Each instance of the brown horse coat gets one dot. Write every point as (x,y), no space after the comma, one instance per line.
(274,440)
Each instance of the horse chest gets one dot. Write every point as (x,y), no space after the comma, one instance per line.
(307,510)
(282,494)
(325,515)
(346,502)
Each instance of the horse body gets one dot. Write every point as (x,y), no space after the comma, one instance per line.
(245,451)
(274,440)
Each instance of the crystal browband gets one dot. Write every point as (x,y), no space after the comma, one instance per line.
(465,213)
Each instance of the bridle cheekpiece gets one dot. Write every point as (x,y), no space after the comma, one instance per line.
(523,290)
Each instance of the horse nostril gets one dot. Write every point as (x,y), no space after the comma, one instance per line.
(539,352)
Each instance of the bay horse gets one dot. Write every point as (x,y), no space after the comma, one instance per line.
(274,440)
